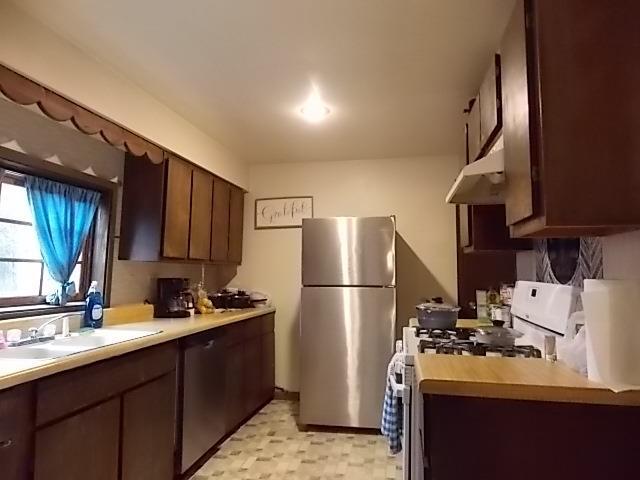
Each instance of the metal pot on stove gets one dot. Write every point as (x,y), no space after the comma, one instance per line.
(437,314)
(497,335)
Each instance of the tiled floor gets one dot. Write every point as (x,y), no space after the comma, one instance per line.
(271,446)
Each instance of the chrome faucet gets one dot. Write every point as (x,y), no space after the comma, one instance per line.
(34,332)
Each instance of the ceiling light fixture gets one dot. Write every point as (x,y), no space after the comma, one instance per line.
(314,110)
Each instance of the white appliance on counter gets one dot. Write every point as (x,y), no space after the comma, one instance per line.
(543,310)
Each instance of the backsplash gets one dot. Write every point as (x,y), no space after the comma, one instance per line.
(586,264)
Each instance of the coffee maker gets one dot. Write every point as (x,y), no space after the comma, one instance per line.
(173,298)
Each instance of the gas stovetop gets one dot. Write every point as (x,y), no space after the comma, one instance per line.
(462,341)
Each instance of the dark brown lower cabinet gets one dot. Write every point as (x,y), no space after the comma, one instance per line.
(268,363)
(82,446)
(120,419)
(250,368)
(528,440)
(112,420)
(149,430)
(16,432)
(234,386)
(252,376)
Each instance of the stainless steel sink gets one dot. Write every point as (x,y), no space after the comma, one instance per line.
(76,343)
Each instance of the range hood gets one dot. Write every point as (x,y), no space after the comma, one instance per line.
(480,182)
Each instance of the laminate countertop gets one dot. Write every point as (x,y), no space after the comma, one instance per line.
(138,317)
(512,378)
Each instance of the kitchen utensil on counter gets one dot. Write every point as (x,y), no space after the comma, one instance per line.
(497,335)
(228,298)
(240,300)
(221,299)
(437,314)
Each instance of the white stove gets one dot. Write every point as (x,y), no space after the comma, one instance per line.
(540,311)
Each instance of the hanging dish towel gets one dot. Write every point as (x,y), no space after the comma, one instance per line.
(391,427)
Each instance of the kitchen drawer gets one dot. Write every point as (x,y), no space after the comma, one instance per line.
(62,394)
(16,429)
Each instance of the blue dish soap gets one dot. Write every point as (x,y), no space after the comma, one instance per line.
(93,307)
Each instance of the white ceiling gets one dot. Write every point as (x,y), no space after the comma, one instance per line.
(397,73)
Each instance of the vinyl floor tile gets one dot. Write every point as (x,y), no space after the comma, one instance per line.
(270,446)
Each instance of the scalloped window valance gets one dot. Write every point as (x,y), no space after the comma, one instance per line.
(24,91)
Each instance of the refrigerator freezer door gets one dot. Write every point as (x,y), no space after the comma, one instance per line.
(347,342)
(341,251)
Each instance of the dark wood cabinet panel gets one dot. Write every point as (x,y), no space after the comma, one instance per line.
(177,209)
(570,131)
(234,381)
(268,364)
(142,207)
(81,446)
(70,391)
(483,229)
(253,374)
(473,130)
(490,105)
(201,215)
(236,221)
(148,430)
(250,365)
(481,270)
(220,223)
(515,110)
(16,432)
(596,441)
(464,225)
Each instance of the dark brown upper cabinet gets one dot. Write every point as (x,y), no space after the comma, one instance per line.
(490,106)
(236,216)
(484,113)
(220,224)
(177,211)
(483,229)
(473,129)
(570,81)
(201,215)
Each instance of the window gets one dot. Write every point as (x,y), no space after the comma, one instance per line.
(24,279)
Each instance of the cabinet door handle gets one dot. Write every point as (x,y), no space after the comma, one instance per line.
(209,344)
(6,443)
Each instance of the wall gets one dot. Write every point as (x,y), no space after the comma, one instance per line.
(412,189)
(33,50)
(32,133)
(621,256)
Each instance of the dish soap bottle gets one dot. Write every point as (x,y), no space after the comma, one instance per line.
(93,307)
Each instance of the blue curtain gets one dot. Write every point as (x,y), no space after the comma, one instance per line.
(62,216)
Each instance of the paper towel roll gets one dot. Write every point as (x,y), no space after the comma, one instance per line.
(612,318)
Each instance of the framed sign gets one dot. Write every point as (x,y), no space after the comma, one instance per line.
(283,212)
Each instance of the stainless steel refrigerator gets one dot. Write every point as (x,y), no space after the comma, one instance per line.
(347,319)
